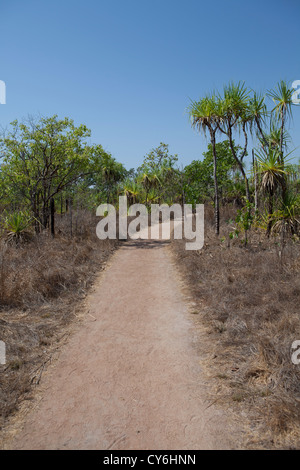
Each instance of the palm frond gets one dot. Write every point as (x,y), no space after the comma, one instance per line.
(282,97)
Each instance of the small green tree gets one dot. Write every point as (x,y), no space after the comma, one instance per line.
(42,158)
(159,173)
(198,175)
(271,170)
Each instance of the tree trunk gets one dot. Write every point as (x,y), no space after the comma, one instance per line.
(270,215)
(266,143)
(52,217)
(76,218)
(255,182)
(283,179)
(45,216)
(35,208)
(71,227)
(240,165)
(281,134)
(217,210)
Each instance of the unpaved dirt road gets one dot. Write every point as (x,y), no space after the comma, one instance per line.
(129,376)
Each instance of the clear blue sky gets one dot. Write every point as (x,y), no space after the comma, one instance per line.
(127,68)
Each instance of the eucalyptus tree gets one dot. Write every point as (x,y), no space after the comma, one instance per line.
(158,158)
(41,158)
(205,115)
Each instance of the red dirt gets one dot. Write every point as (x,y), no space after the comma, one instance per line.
(129,376)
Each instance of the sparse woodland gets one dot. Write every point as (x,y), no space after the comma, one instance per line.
(245,281)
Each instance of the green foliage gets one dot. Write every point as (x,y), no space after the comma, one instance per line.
(198,176)
(206,113)
(50,158)
(243,221)
(16,225)
(159,176)
(107,175)
(132,191)
(44,158)
(245,216)
(282,98)
(40,159)
(271,169)
(235,103)
(287,218)
(158,160)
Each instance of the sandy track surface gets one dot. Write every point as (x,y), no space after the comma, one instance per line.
(129,376)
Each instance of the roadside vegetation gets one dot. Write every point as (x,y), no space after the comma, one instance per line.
(245,281)
(246,301)
(51,182)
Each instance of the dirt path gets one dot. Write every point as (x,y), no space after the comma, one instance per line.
(129,376)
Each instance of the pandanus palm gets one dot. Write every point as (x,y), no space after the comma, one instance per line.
(205,115)
(273,139)
(150,182)
(112,173)
(237,114)
(288,216)
(271,170)
(259,113)
(282,97)
(131,191)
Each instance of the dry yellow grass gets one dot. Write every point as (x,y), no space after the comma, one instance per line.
(248,301)
(41,285)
